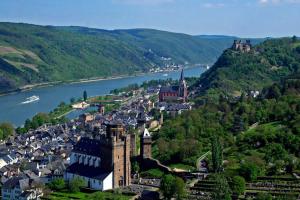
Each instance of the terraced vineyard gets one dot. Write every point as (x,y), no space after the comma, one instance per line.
(287,188)
(284,188)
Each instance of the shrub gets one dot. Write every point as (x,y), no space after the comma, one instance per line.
(57,184)
(75,184)
(249,171)
(238,185)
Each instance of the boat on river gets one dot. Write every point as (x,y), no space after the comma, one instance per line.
(31,99)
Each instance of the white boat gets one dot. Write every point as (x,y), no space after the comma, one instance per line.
(165,74)
(31,99)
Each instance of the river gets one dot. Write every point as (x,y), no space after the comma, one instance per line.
(12,110)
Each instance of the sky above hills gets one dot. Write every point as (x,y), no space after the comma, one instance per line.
(245,18)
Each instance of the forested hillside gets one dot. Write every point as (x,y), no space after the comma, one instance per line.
(248,126)
(250,138)
(33,54)
(236,72)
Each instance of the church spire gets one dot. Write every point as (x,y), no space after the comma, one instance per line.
(181,75)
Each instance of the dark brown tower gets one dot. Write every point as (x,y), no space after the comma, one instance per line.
(120,154)
(132,144)
(146,142)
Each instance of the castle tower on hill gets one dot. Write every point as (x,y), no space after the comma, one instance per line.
(238,45)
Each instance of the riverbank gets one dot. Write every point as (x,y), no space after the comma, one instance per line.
(11,109)
(87,80)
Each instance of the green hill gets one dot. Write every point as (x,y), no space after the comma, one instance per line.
(33,54)
(236,72)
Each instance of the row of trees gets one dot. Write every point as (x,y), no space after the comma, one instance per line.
(74,185)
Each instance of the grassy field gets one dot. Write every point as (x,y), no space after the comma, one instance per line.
(87,196)
(152,173)
(182,166)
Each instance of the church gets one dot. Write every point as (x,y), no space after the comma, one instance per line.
(102,163)
(175,92)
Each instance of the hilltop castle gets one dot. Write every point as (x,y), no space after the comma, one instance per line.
(175,92)
(238,45)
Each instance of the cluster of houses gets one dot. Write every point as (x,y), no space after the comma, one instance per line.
(96,147)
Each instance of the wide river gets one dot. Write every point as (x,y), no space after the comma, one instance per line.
(11,109)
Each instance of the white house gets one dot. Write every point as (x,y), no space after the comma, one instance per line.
(86,163)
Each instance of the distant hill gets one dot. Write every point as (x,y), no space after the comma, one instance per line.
(236,72)
(32,54)
(217,37)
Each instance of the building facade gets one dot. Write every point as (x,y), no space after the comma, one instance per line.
(20,188)
(103,163)
(175,92)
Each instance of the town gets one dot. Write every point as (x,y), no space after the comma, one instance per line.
(98,147)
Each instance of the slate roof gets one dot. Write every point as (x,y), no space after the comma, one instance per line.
(173,88)
(88,171)
(177,107)
(15,181)
(89,146)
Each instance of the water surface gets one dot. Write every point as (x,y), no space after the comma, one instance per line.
(11,109)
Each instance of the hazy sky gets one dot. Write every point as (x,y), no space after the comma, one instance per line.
(252,18)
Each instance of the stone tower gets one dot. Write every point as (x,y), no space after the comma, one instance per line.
(146,142)
(182,90)
(120,144)
(132,144)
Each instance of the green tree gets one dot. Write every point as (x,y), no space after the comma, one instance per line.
(167,186)
(27,124)
(222,189)
(40,119)
(238,185)
(1,134)
(292,164)
(294,38)
(20,130)
(275,151)
(180,191)
(264,196)
(57,184)
(72,100)
(274,92)
(249,171)
(238,124)
(62,104)
(217,155)
(7,129)
(75,184)
(84,95)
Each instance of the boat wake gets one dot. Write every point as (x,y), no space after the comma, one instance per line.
(31,99)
